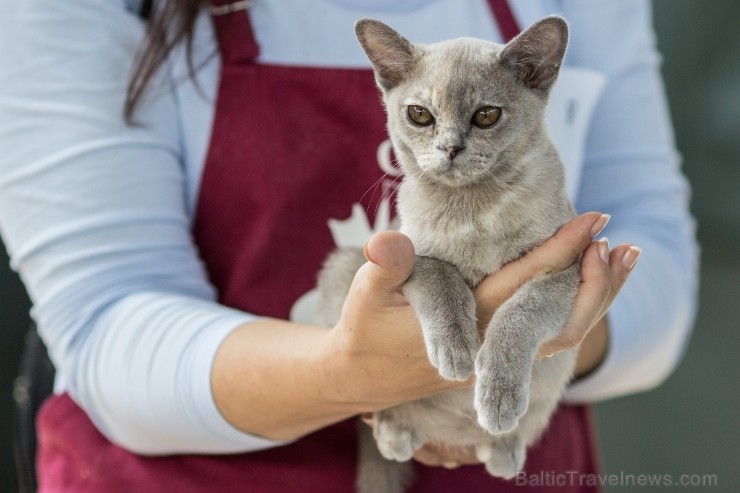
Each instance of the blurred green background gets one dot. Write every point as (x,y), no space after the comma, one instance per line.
(691,424)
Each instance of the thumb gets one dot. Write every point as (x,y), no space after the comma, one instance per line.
(391,258)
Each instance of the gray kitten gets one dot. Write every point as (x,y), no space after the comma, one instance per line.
(483,185)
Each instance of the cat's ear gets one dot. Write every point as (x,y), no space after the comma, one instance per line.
(392,55)
(536,54)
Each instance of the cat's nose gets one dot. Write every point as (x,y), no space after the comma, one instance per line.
(451,151)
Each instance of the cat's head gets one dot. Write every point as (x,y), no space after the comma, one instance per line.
(459,110)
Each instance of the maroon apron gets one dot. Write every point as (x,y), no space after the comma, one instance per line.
(291,147)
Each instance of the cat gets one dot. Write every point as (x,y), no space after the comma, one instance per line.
(483,184)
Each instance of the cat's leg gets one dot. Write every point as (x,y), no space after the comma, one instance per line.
(375,473)
(334,282)
(505,454)
(445,307)
(536,312)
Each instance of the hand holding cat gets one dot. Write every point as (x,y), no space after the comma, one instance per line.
(603,273)
(378,340)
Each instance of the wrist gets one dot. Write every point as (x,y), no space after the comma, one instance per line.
(593,349)
(343,374)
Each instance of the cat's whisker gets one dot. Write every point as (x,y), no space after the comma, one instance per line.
(396,185)
(379,184)
(396,179)
(387,193)
(374,188)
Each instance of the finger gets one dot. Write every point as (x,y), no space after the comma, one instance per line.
(452,454)
(593,292)
(428,457)
(554,255)
(391,259)
(594,299)
(564,247)
(622,261)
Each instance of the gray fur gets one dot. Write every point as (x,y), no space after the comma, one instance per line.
(500,194)
(378,473)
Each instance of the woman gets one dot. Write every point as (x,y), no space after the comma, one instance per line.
(107,221)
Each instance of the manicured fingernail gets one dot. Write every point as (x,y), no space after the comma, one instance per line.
(603,245)
(364,252)
(600,224)
(630,258)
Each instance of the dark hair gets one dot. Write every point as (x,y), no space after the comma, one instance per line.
(168,25)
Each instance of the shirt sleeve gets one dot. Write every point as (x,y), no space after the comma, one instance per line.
(632,171)
(93,213)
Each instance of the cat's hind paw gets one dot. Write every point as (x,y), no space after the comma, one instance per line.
(395,441)
(505,462)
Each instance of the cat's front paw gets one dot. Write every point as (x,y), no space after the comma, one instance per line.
(501,394)
(452,351)
(395,440)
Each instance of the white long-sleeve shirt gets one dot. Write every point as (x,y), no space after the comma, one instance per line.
(96,214)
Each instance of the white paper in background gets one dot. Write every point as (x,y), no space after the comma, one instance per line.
(572,103)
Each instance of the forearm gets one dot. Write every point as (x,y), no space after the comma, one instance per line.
(273,379)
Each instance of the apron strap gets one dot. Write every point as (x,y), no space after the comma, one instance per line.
(233,27)
(507,24)
(230,15)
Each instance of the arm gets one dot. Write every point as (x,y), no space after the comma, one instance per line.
(94,216)
(632,171)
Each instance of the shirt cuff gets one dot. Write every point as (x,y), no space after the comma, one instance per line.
(198,359)
(145,380)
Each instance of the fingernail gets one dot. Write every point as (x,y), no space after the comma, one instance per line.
(603,245)
(600,224)
(364,252)
(630,258)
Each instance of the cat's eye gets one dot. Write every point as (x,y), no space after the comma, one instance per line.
(420,115)
(486,117)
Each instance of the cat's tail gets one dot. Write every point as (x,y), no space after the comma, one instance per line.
(375,473)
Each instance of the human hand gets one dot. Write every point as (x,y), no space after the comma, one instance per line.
(603,273)
(377,350)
